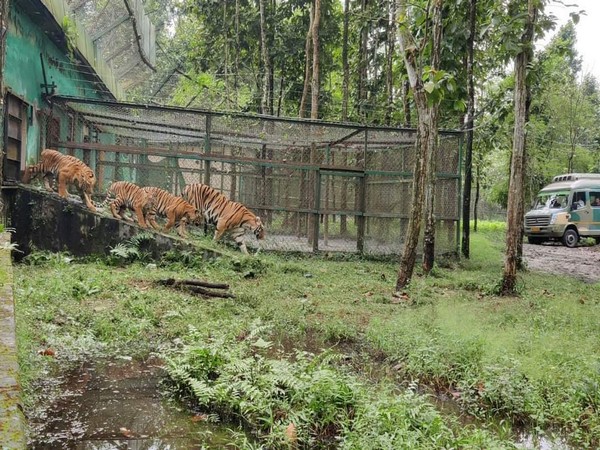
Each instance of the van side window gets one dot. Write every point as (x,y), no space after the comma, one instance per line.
(595,199)
(578,200)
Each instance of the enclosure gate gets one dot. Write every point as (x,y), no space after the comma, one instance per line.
(318,186)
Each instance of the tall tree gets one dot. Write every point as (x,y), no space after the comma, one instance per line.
(314,107)
(389,67)
(469,122)
(362,61)
(427,132)
(433,112)
(514,238)
(345,64)
(307,63)
(266,86)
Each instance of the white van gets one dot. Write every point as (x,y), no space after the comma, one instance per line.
(566,209)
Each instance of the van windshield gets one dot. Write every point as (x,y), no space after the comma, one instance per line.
(552,200)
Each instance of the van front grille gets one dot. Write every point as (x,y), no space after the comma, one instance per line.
(537,221)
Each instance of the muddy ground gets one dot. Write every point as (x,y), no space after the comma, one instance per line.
(581,262)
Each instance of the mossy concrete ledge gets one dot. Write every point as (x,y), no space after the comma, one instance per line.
(45,221)
(12,421)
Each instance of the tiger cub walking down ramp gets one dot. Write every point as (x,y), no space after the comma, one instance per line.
(227,216)
(174,208)
(68,170)
(129,196)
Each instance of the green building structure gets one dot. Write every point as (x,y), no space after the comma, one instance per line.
(46,51)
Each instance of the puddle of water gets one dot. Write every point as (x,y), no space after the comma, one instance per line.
(549,442)
(118,405)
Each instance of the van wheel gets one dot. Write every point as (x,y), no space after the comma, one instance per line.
(570,238)
(535,240)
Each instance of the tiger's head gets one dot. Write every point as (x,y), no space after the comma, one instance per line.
(198,218)
(191,214)
(87,180)
(258,230)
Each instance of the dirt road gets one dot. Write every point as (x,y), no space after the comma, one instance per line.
(580,262)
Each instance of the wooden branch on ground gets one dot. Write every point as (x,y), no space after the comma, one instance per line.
(198,287)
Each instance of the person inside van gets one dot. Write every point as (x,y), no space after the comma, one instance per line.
(596,202)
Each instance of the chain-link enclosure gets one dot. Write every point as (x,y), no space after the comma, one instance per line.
(316,185)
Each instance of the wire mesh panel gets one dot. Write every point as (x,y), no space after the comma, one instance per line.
(315,185)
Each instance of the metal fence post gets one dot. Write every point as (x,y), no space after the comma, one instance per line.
(207,150)
(317,206)
(459,192)
(361,220)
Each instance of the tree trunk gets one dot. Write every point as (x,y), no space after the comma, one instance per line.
(226,61)
(426,141)
(280,96)
(432,113)
(521,212)
(345,94)
(362,58)
(477,192)
(314,106)
(390,48)
(237,52)
(518,160)
(345,65)
(406,103)
(307,65)
(266,86)
(466,206)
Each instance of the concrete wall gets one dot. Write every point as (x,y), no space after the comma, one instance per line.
(12,421)
(47,222)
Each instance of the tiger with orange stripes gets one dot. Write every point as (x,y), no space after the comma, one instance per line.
(176,209)
(124,195)
(68,170)
(226,215)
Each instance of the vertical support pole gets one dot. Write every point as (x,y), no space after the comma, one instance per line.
(325,216)
(117,166)
(317,207)
(361,220)
(311,175)
(207,150)
(263,181)
(4,152)
(459,190)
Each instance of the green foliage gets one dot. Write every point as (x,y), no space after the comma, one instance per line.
(563,125)
(130,250)
(490,226)
(70,29)
(332,327)
(237,379)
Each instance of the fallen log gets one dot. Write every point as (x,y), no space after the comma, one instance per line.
(198,287)
(208,293)
(206,284)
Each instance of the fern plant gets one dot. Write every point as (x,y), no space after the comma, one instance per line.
(306,401)
(131,249)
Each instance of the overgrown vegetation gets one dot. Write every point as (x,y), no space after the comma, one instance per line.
(306,337)
(306,400)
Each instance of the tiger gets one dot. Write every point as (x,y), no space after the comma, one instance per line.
(129,195)
(226,215)
(176,210)
(68,170)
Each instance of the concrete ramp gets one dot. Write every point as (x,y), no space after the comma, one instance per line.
(45,221)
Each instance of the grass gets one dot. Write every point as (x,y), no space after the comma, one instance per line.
(531,361)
